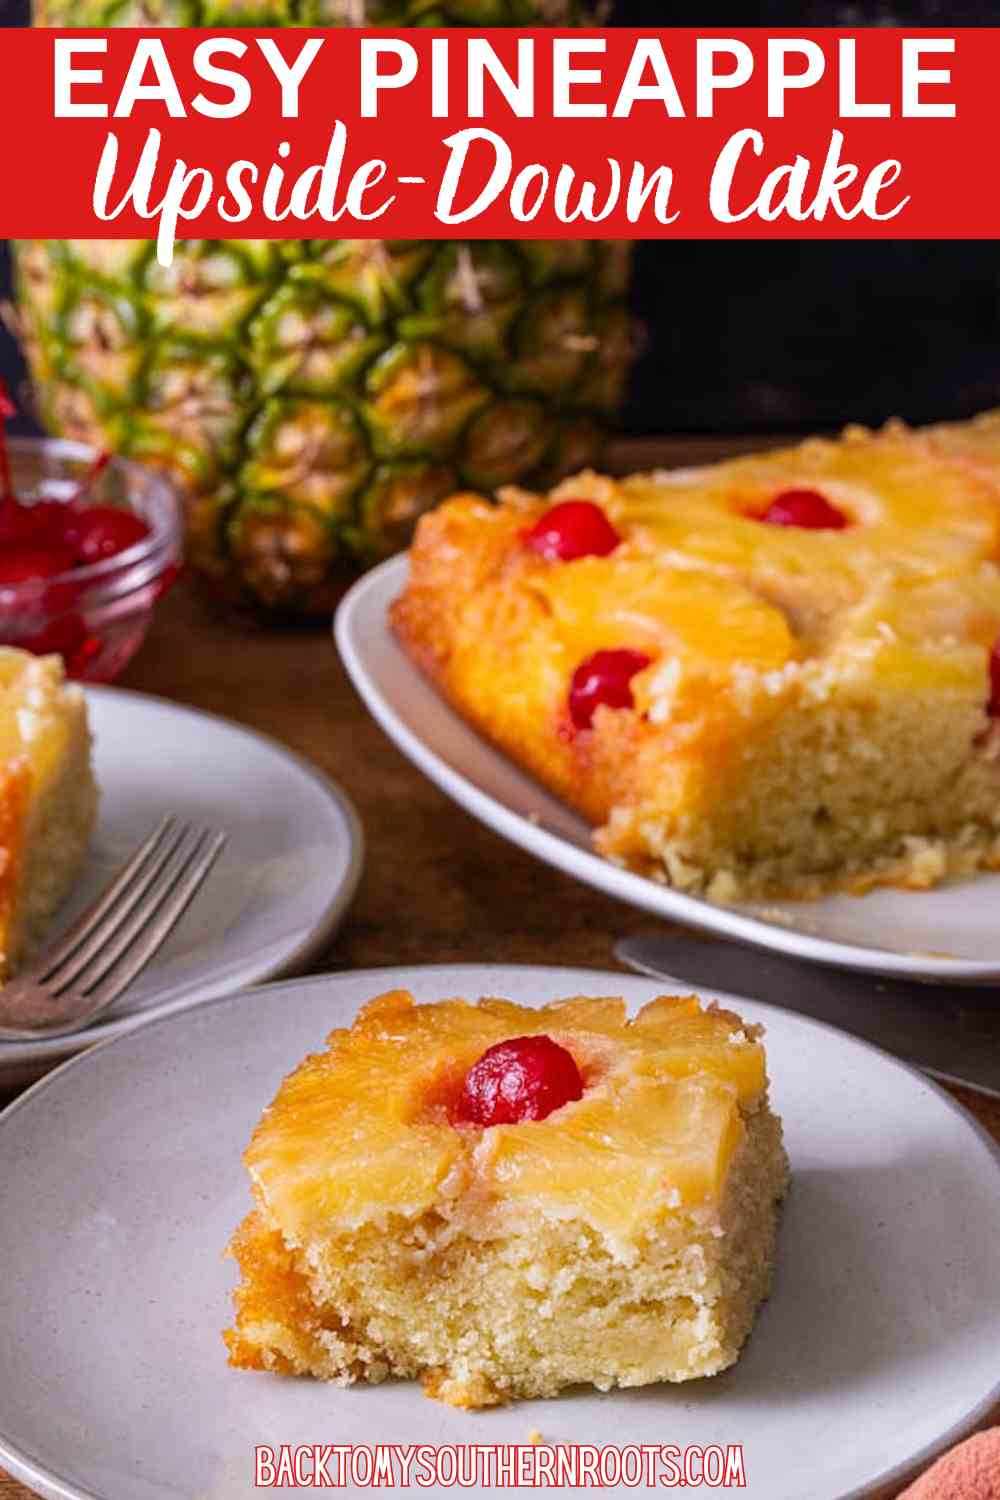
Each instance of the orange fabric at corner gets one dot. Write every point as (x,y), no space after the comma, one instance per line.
(969,1472)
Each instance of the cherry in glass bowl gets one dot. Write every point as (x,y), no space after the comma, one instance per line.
(95,614)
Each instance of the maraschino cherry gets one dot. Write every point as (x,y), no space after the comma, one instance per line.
(102,531)
(570,530)
(49,537)
(525,1078)
(806,508)
(24,563)
(603,679)
(68,637)
(994,703)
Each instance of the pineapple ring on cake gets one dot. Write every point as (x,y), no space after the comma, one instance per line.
(902,509)
(617,1226)
(768,677)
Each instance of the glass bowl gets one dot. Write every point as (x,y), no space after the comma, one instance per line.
(95,617)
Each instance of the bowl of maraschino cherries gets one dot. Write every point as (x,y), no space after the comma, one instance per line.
(88,544)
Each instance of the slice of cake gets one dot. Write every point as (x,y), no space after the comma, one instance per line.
(767,677)
(48,796)
(506,1201)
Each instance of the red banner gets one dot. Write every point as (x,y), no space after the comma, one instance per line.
(513,134)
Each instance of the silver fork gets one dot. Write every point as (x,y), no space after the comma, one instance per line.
(71,983)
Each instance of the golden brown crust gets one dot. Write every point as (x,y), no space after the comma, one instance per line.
(468,553)
(271,1291)
(458,548)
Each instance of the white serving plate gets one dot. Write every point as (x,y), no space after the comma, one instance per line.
(124,1180)
(288,872)
(950,935)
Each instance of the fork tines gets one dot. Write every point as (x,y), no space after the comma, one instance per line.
(115,938)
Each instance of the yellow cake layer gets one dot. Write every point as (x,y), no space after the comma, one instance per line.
(627,1237)
(815,709)
(48,796)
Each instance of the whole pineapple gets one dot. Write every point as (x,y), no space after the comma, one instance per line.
(314,398)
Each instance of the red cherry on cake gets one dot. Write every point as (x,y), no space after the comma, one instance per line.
(525,1078)
(26,563)
(994,703)
(572,529)
(604,678)
(806,508)
(101,531)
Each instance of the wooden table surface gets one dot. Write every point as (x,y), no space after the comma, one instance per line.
(437,887)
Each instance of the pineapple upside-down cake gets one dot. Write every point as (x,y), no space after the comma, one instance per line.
(777,675)
(505,1201)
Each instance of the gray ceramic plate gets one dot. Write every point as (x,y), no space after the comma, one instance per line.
(284,880)
(123,1182)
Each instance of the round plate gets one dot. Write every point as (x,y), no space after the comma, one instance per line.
(284,880)
(950,935)
(128,1183)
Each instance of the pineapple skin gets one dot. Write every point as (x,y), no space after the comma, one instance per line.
(314,398)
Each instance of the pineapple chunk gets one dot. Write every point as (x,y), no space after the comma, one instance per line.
(623,1155)
(687,1040)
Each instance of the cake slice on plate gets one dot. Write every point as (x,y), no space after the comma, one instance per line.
(505,1201)
(775,676)
(48,796)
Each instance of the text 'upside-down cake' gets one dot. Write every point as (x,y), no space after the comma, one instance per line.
(772,676)
(506,1201)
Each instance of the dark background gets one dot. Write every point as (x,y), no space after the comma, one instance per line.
(745,337)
